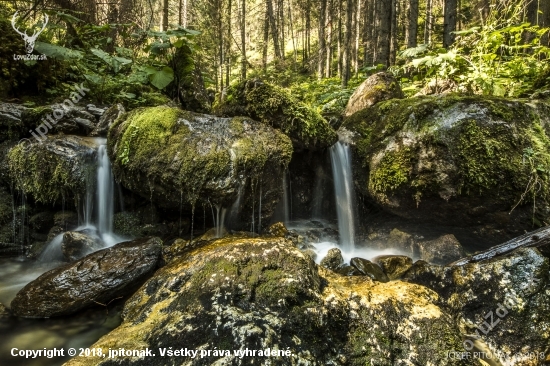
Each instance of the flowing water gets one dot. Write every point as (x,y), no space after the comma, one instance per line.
(340,156)
(80,330)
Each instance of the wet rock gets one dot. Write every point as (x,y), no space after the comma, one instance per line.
(348,271)
(11,125)
(443,250)
(53,170)
(74,121)
(107,119)
(402,241)
(511,291)
(95,279)
(453,160)
(260,293)
(4,312)
(96,111)
(367,268)
(377,88)
(76,245)
(276,107)
(180,160)
(310,253)
(333,260)
(277,229)
(394,266)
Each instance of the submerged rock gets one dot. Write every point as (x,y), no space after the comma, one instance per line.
(367,268)
(174,158)
(261,293)
(333,260)
(443,250)
(276,107)
(455,160)
(504,302)
(377,88)
(76,245)
(394,266)
(95,279)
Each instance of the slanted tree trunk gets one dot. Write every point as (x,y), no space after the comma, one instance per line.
(449,24)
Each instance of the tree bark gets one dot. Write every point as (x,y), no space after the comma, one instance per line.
(346,57)
(322,45)
(412,23)
(243,39)
(394,42)
(449,24)
(328,68)
(164,20)
(274,30)
(428,25)
(383,22)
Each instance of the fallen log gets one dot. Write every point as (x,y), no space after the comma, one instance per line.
(533,239)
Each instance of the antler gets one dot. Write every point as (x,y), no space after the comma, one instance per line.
(24,34)
(46,18)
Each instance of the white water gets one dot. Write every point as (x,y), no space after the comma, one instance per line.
(340,156)
(99,201)
(322,248)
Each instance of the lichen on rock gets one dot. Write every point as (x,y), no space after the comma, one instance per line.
(467,159)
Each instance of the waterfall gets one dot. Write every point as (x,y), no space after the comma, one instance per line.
(105,192)
(219,219)
(340,156)
(286,197)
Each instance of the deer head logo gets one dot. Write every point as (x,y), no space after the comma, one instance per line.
(29,40)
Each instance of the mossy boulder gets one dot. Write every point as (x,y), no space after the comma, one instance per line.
(57,169)
(258,293)
(276,107)
(501,304)
(176,158)
(455,160)
(377,88)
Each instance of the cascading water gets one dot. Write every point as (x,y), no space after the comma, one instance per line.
(340,156)
(99,200)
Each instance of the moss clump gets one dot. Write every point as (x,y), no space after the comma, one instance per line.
(166,152)
(275,106)
(47,174)
(408,146)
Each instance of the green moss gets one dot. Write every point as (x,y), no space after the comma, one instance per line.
(277,107)
(48,177)
(158,143)
(393,170)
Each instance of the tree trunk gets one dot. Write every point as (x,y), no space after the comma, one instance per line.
(449,25)
(394,45)
(228,45)
(266,38)
(164,20)
(340,38)
(412,23)
(357,28)
(346,57)
(322,45)
(428,25)
(243,40)
(274,30)
(328,68)
(384,25)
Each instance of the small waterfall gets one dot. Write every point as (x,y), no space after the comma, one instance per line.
(105,192)
(286,198)
(340,156)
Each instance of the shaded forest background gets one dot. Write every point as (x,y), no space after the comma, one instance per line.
(141,51)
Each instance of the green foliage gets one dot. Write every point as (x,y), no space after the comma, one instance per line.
(503,57)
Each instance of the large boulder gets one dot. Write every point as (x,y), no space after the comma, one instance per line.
(443,250)
(58,168)
(175,158)
(461,161)
(377,88)
(95,279)
(263,293)
(502,304)
(276,107)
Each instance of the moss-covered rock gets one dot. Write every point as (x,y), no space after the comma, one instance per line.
(276,107)
(175,157)
(377,88)
(464,161)
(54,170)
(257,293)
(501,304)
